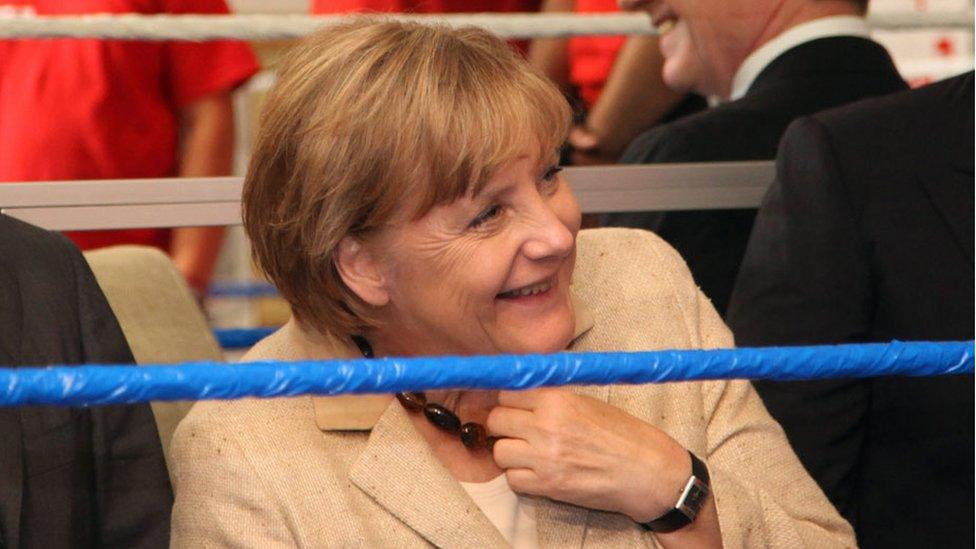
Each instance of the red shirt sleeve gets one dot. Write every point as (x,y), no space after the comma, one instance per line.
(198,69)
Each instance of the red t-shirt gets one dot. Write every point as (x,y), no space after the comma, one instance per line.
(91,109)
(591,58)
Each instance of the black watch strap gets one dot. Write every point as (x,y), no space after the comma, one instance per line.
(689,503)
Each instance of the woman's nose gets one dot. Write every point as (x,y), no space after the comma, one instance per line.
(549,237)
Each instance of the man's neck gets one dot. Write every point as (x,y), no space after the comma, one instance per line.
(790,14)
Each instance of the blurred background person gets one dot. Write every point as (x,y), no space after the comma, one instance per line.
(92,109)
(771,61)
(614,83)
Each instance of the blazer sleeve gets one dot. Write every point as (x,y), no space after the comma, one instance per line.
(763,495)
(221,499)
(806,279)
(133,496)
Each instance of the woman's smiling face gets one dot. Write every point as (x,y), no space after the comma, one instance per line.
(484,274)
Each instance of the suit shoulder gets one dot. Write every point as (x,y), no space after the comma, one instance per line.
(248,417)
(24,246)
(710,135)
(624,245)
(879,115)
(631,264)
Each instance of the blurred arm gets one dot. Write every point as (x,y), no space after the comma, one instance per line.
(207,150)
(634,98)
(550,55)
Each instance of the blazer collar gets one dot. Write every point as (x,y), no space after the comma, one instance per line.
(401,473)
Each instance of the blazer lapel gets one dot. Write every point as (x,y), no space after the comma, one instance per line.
(951,191)
(400,472)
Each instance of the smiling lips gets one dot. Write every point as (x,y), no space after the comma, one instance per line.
(533,289)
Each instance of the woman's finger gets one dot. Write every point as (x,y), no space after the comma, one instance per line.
(526,400)
(524,481)
(514,453)
(510,422)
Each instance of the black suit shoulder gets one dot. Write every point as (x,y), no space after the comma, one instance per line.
(727,132)
(25,248)
(809,78)
(873,116)
(892,135)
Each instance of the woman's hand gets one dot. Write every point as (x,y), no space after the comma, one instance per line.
(583,451)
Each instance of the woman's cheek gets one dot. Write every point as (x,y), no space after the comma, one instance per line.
(567,208)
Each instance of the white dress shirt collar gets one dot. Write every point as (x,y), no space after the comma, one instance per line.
(757,61)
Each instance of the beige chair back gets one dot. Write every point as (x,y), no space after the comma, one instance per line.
(159,317)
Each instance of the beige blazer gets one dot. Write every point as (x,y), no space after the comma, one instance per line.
(295,472)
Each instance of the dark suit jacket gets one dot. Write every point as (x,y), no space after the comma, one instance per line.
(867,235)
(811,77)
(71,477)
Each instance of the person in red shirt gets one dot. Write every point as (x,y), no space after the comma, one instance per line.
(92,109)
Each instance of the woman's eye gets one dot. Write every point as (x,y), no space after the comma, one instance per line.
(487,215)
(551,173)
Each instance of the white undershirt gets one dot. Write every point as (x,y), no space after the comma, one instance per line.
(512,514)
(841,25)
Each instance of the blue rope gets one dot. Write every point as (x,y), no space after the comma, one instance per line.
(241,289)
(97,385)
(240,338)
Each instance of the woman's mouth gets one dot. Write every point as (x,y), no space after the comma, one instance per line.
(532,289)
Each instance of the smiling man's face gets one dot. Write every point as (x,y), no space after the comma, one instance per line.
(706,40)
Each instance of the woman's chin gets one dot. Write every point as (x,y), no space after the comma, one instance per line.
(543,338)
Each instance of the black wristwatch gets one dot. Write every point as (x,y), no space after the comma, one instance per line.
(689,504)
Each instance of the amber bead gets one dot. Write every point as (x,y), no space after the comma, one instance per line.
(474,436)
(442,418)
(413,401)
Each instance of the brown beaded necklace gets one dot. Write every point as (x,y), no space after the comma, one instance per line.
(473,435)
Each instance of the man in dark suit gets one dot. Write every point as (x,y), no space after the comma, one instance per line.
(867,235)
(774,61)
(70,477)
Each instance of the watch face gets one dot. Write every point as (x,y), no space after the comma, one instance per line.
(694,498)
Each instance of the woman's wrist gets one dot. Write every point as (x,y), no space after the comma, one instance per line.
(666,475)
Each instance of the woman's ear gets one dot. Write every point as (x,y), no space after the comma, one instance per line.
(360,271)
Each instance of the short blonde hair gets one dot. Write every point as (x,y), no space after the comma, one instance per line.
(372,119)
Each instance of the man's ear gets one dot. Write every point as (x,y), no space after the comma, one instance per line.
(361,272)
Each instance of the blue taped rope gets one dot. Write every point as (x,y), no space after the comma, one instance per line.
(98,385)
(240,338)
(241,289)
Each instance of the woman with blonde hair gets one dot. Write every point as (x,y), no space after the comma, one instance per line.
(405,198)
